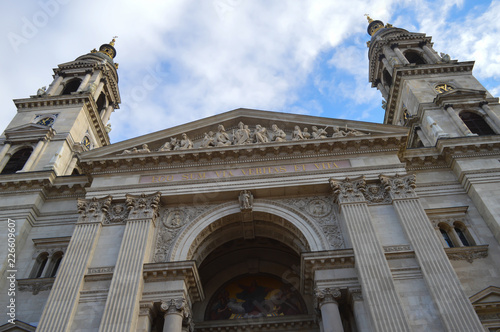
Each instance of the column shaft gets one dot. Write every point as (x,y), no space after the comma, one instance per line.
(98,90)
(173,322)
(55,84)
(107,114)
(464,130)
(63,299)
(84,83)
(432,55)
(330,317)
(362,320)
(375,275)
(400,55)
(34,155)
(3,153)
(492,115)
(456,310)
(121,311)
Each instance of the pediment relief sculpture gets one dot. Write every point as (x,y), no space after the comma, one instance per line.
(244,135)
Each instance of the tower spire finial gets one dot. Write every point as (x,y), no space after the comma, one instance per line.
(370,20)
(112,42)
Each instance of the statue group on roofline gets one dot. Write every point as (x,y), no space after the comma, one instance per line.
(244,135)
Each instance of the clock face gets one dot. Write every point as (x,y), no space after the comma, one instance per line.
(440,88)
(46,122)
(86,142)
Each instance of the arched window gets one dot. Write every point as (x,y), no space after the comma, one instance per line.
(447,238)
(101,103)
(387,78)
(39,266)
(54,264)
(414,57)
(462,234)
(17,161)
(476,123)
(71,86)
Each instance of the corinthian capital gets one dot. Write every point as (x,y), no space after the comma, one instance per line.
(399,186)
(174,306)
(347,190)
(327,295)
(143,206)
(93,210)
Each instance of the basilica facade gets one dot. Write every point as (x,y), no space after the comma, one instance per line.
(252,220)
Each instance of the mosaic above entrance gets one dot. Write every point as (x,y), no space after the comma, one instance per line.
(255,296)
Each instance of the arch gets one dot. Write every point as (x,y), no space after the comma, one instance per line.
(414,57)
(71,86)
(17,160)
(444,228)
(101,103)
(188,241)
(463,233)
(55,262)
(476,123)
(39,265)
(387,78)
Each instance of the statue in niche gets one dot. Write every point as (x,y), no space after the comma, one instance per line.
(246,200)
(242,135)
(221,137)
(169,146)
(144,149)
(337,132)
(318,133)
(297,134)
(208,140)
(260,134)
(277,134)
(174,219)
(185,143)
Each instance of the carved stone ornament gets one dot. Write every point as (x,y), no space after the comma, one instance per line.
(173,306)
(319,208)
(246,200)
(94,209)
(375,193)
(348,191)
(327,295)
(174,219)
(143,206)
(400,187)
(116,214)
(35,286)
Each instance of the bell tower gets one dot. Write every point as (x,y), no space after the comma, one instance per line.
(69,116)
(435,96)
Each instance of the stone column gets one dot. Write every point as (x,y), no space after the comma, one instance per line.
(71,166)
(386,63)
(175,310)
(375,276)
(383,90)
(107,113)
(63,299)
(456,311)
(3,153)
(464,130)
(85,81)
(54,85)
(126,285)
(330,314)
(400,54)
(360,314)
(492,115)
(430,53)
(34,155)
(98,89)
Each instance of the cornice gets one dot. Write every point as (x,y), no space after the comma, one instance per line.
(284,323)
(255,153)
(46,182)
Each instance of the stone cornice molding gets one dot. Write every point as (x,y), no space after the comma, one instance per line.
(400,187)
(282,323)
(143,207)
(92,210)
(348,190)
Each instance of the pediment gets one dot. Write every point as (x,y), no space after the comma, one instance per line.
(29,131)
(459,94)
(18,326)
(488,296)
(197,132)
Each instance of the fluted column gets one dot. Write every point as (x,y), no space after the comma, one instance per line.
(122,305)
(330,314)
(63,299)
(464,130)
(456,311)
(175,311)
(382,300)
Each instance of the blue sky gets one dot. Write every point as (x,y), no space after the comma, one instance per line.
(185,60)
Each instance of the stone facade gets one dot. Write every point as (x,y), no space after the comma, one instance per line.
(254,220)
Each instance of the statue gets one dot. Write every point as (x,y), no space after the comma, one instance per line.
(297,134)
(108,128)
(133,151)
(144,149)
(169,146)
(42,91)
(337,132)
(277,135)
(306,133)
(352,132)
(318,133)
(242,135)
(208,140)
(185,143)
(260,134)
(246,200)
(221,137)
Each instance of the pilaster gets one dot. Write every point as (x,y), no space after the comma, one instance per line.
(382,300)
(63,299)
(456,311)
(122,305)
